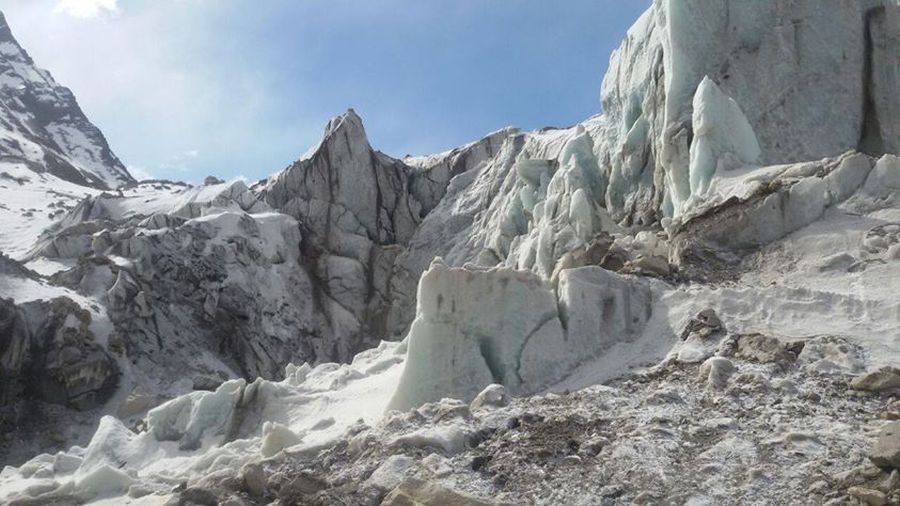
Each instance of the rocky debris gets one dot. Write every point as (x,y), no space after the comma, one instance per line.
(886,452)
(832,355)
(884,380)
(416,492)
(194,496)
(138,402)
(615,444)
(868,496)
(891,411)
(649,265)
(594,252)
(761,349)
(701,337)
(704,325)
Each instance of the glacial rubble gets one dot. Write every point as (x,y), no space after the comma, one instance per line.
(774,429)
(690,298)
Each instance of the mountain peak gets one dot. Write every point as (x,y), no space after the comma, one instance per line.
(349,122)
(43,127)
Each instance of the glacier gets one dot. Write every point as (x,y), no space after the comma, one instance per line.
(689,298)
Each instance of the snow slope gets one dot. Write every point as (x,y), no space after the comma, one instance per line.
(31,202)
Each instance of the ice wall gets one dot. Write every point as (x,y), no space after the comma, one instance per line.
(477,327)
(811,77)
(723,138)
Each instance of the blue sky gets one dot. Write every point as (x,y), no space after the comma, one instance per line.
(187,88)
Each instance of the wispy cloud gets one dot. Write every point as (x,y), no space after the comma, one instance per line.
(181,162)
(190,88)
(86,8)
(140,173)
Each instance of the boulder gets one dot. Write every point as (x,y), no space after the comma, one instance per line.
(492,396)
(886,452)
(886,379)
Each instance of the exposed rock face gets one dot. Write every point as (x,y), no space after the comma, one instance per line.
(354,211)
(358,210)
(42,127)
(14,347)
(48,353)
(226,285)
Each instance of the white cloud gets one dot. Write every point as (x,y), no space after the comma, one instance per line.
(182,162)
(140,173)
(86,8)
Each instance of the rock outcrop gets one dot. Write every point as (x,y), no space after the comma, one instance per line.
(358,210)
(50,354)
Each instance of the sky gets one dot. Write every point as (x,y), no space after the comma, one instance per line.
(183,89)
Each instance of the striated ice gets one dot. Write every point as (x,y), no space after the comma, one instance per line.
(723,138)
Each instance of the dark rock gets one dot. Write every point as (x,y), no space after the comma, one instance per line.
(614,260)
(479,462)
(37,110)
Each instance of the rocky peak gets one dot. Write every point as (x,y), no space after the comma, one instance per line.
(349,124)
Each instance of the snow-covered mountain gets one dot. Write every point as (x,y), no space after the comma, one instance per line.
(43,127)
(51,156)
(689,299)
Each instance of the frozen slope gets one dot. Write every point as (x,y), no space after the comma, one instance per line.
(31,202)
